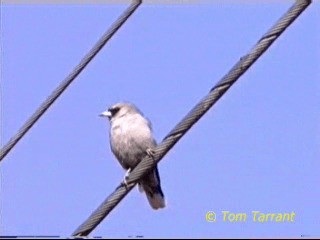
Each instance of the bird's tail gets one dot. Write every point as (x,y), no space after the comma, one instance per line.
(155,197)
(150,184)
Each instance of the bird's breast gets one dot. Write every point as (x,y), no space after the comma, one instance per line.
(129,141)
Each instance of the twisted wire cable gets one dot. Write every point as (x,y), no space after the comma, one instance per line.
(69,79)
(191,118)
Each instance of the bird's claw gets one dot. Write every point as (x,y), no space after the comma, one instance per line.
(125,183)
(126,175)
(150,152)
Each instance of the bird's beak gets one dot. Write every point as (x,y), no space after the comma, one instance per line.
(105,114)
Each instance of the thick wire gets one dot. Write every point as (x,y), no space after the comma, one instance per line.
(191,118)
(69,79)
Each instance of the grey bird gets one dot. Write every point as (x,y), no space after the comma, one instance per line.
(131,140)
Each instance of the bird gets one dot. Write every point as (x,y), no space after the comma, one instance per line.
(131,139)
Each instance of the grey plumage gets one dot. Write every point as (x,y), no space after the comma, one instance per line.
(131,140)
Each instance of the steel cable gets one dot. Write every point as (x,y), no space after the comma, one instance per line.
(191,118)
(69,79)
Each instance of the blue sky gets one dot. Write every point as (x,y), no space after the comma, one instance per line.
(257,149)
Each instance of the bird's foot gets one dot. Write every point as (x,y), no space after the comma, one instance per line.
(126,175)
(150,153)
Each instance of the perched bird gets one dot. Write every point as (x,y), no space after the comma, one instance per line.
(131,140)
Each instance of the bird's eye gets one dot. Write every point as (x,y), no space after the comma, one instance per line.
(114,110)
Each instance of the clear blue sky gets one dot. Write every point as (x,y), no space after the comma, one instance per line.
(257,149)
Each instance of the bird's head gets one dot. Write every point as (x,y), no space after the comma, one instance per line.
(119,110)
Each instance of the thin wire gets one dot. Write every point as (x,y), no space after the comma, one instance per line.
(69,79)
(191,118)
(1,112)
